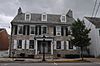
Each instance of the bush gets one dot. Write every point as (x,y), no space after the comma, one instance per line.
(72,56)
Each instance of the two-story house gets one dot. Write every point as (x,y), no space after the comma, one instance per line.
(28,29)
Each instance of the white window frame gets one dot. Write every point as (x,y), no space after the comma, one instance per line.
(30,29)
(29,16)
(58,30)
(18,30)
(62,18)
(44,14)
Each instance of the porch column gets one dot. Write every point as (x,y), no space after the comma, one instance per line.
(35,47)
(52,48)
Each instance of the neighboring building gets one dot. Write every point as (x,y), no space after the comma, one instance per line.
(4,43)
(93,23)
(27,34)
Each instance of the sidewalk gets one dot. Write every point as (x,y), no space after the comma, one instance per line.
(61,60)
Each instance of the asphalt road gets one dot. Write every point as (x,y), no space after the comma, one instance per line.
(49,64)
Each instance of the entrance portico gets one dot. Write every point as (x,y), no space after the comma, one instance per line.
(48,45)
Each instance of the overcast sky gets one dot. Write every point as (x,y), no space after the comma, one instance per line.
(8,8)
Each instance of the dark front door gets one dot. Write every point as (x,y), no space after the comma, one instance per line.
(46,45)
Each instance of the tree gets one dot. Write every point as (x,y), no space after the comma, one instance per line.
(80,34)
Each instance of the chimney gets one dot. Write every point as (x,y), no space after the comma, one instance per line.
(70,13)
(19,11)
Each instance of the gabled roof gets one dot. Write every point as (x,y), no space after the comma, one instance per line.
(94,20)
(36,18)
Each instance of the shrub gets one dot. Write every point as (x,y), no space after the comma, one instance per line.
(72,56)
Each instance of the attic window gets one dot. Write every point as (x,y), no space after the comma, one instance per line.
(27,17)
(44,17)
(63,18)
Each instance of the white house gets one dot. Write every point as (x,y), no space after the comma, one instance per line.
(93,23)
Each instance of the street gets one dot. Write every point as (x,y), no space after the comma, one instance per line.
(49,64)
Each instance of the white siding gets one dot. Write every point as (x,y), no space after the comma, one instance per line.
(15,44)
(23,44)
(62,44)
(67,45)
(27,44)
(54,44)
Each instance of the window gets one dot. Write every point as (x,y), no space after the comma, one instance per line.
(58,45)
(70,45)
(63,18)
(31,45)
(27,16)
(19,44)
(44,30)
(44,17)
(20,29)
(58,30)
(32,29)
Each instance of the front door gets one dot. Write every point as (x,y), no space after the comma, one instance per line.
(45,46)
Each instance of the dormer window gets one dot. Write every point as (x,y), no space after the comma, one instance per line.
(44,17)
(27,16)
(63,18)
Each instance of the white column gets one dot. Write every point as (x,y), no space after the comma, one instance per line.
(54,44)
(52,48)
(23,44)
(67,45)
(36,47)
(62,44)
(27,44)
(15,44)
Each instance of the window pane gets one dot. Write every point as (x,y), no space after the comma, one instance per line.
(31,45)
(19,42)
(44,29)
(63,18)
(20,29)
(32,30)
(44,17)
(27,17)
(58,44)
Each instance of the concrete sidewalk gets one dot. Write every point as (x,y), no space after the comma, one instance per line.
(47,60)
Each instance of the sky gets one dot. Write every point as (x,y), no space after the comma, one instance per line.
(9,8)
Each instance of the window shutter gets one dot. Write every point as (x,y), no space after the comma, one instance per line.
(66,31)
(39,30)
(24,29)
(16,28)
(27,44)
(62,44)
(36,30)
(15,44)
(54,31)
(28,29)
(23,44)
(62,31)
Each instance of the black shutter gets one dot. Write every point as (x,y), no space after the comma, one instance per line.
(24,29)
(16,27)
(28,29)
(66,31)
(36,30)
(39,30)
(54,32)
(62,31)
